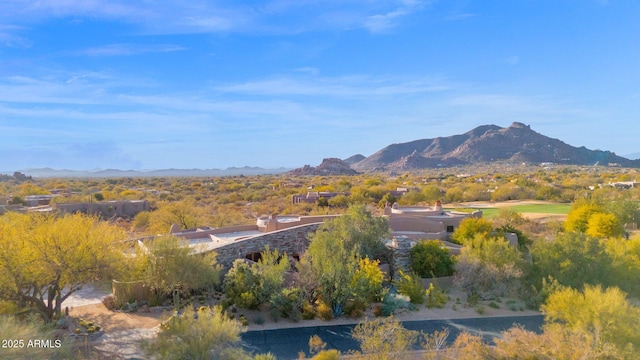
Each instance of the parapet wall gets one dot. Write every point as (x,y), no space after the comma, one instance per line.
(196,234)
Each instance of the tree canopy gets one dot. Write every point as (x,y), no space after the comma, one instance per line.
(44,258)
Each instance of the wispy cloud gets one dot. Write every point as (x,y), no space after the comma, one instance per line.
(347,87)
(9,37)
(382,22)
(128,49)
(174,17)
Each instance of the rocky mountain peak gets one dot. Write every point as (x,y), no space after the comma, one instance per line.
(329,166)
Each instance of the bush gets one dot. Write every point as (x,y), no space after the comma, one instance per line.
(392,302)
(324,311)
(431,259)
(308,312)
(411,286)
(109,302)
(436,297)
(354,308)
(376,309)
(332,354)
(286,303)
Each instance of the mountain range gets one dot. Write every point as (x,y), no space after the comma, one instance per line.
(110,173)
(517,143)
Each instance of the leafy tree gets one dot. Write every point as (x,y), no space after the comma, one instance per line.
(626,211)
(361,231)
(384,338)
(489,269)
(470,228)
(184,213)
(578,217)
(411,198)
(388,198)
(606,316)
(430,258)
(431,193)
(555,342)
(170,266)
(602,225)
(625,256)
(410,285)
(367,280)
(327,267)
(250,285)
(44,259)
(340,201)
(204,334)
(573,259)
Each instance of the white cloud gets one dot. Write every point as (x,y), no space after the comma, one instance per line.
(347,87)
(127,49)
(176,17)
(383,22)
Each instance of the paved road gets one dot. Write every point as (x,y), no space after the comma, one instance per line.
(287,343)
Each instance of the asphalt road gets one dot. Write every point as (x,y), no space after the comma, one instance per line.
(287,343)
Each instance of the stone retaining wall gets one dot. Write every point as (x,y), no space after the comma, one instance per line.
(292,241)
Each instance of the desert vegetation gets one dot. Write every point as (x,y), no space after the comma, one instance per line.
(581,273)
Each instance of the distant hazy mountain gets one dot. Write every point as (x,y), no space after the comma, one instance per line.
(48,172)
(633,156)
(485,144)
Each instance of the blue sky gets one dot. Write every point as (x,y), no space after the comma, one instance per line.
(150,84)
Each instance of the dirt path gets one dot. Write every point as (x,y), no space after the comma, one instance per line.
(112,321)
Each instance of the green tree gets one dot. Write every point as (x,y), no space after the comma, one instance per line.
(327,267)
(184,213)
(490,268)
(429,258)
(431,193)
(170,265)
(602,225)
(204,334)
(555,342)
(340,201)
(578,217)
(605,315)
(367,281)
(250,285)
(384,338)
(44,259)
(470,228)
(361,231)
(573,259)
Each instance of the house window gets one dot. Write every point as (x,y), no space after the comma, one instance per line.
(449,228)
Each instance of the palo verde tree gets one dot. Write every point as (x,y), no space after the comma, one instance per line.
(203,334)
(362,232)
(331,262)
(430,258)
(44,259)
(470,228)
(170,265)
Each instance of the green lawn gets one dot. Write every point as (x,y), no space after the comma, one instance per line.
(531,208)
